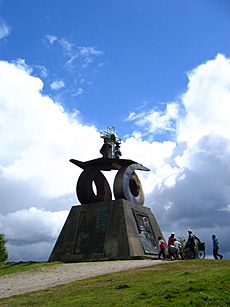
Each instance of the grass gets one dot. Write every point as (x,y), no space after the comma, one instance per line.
(184,283)
(17,267)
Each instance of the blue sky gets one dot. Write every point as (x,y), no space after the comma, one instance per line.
(145,49)
(159,71)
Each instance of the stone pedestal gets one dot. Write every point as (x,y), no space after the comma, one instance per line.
(115,229)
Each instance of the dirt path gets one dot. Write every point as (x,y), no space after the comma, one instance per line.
(46,277)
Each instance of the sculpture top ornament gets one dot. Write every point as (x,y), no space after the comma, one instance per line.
(111,146)
(126,183)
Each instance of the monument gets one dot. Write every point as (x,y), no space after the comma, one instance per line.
(103,228)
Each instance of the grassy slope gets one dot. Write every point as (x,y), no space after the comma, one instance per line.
(16,267)
(183,283)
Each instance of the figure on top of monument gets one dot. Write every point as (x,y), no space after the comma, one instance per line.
(111,147)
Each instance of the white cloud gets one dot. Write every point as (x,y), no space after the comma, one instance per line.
(88,54)
(4,30)
(31,232)
(57,85)
(226,208)
(38,137)
(188,185)
(89,51)
(37,140)
(153,155)
(42,70)
(156,121)
(189,182)
(69,49)
(78,92)
(21,64)
(75,55)
(51,39)
(33,225)
(80,62)
(131,116)
(207,101)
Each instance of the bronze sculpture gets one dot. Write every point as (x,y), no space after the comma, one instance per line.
(102,228)
(126,183)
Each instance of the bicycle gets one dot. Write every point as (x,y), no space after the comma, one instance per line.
(199,251)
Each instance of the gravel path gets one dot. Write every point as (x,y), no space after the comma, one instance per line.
(46,277)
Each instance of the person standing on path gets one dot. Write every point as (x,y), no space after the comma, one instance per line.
(215,244)
(177,250)
(191,243)
(162,248)
(171,240)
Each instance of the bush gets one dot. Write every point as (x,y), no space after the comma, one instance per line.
(3,250)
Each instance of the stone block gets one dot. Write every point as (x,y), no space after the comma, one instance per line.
(114,229)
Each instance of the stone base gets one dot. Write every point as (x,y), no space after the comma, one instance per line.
(116,229)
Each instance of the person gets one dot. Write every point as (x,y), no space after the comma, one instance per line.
(162,247)
(215,244)
(171,240)
(191,243)
(177,249)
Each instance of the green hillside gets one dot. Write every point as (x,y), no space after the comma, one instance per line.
(182,283)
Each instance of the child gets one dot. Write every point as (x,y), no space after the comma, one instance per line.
(177,249)
(162,247)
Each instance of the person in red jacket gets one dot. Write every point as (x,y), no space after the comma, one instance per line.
(162,248)
(171,240)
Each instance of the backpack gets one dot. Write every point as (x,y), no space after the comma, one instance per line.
(162,245)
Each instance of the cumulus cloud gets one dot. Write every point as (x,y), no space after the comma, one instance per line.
(32,225)
(190,187)
(207,101)
(37,140)
(187,187)
(4,30)
(36,133)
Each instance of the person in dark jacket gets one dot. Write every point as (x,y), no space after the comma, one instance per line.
(215,244)
(191,243)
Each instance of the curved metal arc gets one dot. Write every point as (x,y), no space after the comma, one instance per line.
(84,189)
(127,184)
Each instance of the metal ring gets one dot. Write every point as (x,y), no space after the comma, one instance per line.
(84,189)
(127,184)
